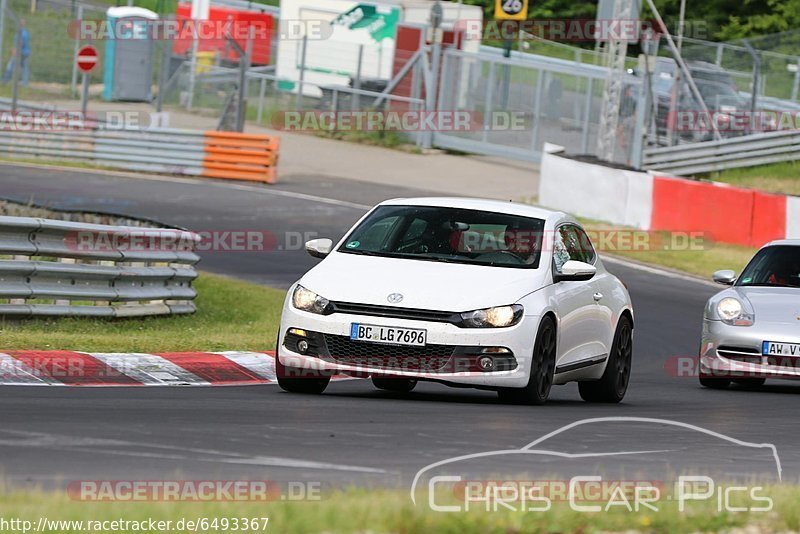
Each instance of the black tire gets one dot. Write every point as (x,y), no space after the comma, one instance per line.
(714,382)
(750,383)
(296,380)
(613,385)
(397,385)
(543,368)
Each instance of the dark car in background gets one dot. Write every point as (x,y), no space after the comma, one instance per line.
(719,94)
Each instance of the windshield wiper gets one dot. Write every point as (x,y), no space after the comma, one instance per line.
(377,254)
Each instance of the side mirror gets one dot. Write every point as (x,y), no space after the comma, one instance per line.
(575,271)
(319,248)
(726,277)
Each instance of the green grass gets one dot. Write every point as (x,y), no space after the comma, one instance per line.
(776,178)
(391,511)
(231,315)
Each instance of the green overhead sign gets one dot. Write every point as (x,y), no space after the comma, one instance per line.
(380,22)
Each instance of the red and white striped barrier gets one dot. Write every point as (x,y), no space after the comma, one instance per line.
(648,201)
(68,368)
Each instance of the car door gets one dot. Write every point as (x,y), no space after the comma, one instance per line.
(582,321)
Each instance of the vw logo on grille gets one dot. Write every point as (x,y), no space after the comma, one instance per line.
(394,298)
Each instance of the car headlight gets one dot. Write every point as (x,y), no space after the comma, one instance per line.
(306,300)
(731,312)
(497,317)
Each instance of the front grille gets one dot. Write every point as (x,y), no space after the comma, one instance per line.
(749,355)
(397,313)
(429,358)
(792,362)
(740,354)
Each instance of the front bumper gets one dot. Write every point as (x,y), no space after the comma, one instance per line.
(450,355)
(735,352)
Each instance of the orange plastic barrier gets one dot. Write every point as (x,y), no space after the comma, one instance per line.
(239,156)
(726,214)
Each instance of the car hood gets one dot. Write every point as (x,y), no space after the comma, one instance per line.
(426,285)
(773,304)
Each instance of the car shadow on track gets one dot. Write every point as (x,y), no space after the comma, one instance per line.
(766,388)
(454,396)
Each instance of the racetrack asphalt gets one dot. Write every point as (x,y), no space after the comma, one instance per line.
(354,433)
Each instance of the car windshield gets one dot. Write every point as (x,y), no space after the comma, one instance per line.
(718,94)
(773,266)
(449,235)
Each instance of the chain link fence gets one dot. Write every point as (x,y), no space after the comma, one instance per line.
(525,101)
(772,62)
(544,92)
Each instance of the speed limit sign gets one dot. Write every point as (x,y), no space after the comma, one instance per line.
(511,9)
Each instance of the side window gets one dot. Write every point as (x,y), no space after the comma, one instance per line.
(586,247)
(561,253)
(571,243)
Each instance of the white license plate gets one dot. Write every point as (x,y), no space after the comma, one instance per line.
(772,348)
(389,335)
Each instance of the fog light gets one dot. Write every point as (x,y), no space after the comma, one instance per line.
(302,346)
(495,350)
(486,363)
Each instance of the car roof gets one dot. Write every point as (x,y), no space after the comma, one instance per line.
(482,204)
(704,65)
(790,242)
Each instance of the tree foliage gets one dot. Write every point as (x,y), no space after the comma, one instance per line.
(716,19)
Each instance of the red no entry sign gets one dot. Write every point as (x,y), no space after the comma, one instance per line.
(87,58)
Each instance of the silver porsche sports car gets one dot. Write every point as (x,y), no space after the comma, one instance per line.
(751,331)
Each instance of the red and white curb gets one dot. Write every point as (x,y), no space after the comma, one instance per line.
(69,368)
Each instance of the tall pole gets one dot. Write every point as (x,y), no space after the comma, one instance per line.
(244,66)
(73,86)
(616,50)
(301,79)
(3,8)
(682,66)
(166,55)
(681,23)
(355,102)
(16,72)
(84,95)
(200,9)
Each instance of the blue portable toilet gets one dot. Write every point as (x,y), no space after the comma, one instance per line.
(128,65)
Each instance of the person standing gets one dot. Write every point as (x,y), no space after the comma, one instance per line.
(23,40)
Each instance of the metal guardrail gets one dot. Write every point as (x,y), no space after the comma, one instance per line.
(166,150)
(50,267)
(710,156)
